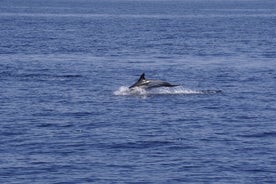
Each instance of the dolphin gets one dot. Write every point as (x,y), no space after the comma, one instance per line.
(149,83)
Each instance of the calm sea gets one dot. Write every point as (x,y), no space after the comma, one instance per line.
(67,116)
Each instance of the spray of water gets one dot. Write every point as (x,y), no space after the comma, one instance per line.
(179,90)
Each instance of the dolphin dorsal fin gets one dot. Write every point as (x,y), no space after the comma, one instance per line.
(139,82)
(142,77)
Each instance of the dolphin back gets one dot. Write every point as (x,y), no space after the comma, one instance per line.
(158,83)
(148,83)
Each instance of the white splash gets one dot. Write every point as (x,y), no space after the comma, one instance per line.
(125,91)
(179,90)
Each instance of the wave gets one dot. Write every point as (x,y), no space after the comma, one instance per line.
(271,134)
(179,90)
(143,16)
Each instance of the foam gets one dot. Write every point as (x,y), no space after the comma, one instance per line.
(179,90)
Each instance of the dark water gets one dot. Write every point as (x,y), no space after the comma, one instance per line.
(68,117)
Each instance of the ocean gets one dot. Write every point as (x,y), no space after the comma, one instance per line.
(68,116)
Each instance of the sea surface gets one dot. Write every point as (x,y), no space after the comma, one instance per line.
(67,115)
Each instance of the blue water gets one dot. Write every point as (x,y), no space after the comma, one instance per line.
(67,116)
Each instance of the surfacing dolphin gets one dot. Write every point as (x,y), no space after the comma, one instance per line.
(149,83)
